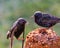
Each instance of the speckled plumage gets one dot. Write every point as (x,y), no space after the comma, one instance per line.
(45,20)
(19,25)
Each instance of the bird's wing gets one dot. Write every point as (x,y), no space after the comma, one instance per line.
(13,27)
(48,18)
(53,19)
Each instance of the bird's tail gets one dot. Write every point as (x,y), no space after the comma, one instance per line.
(8,34)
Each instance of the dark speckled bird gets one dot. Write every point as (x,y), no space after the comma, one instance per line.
(18,27)
(16,30)
(45,20)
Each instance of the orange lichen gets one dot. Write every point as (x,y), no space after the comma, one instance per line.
(42,38)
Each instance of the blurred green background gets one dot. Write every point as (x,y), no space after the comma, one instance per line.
(11,10)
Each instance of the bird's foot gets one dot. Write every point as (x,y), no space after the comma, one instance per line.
(20,39)
(51,29)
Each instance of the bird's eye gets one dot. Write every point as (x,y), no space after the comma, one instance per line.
(22,22)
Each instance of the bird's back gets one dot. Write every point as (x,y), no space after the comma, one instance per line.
(47,20)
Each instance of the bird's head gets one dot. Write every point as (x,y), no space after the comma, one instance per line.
(22,21)
(38,14)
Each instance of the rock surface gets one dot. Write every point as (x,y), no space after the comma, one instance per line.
(42,38)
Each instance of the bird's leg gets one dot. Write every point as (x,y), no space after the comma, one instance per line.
(11,41)
(51,29)
(23,40)
(20,39)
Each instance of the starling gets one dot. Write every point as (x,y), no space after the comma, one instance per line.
(45,19)
(16,30)
(18,27)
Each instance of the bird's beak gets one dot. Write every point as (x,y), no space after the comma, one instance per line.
(32,16)
(27,23)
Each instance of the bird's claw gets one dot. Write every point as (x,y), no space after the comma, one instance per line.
(20,39)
